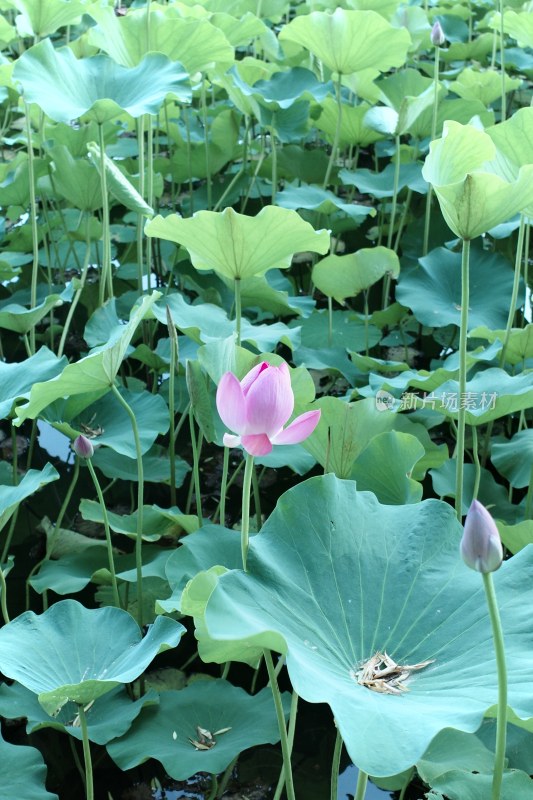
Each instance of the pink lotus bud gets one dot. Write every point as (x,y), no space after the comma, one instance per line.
(257,408)
(437,35)
(481,546)
(83,447)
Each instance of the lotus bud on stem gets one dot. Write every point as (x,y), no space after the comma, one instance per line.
(481,550)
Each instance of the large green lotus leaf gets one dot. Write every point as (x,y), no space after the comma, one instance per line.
(381,184)
(165,732)
(93,373)
(433,290)
(336,577)
(349,41)
(492,494)
(205,548)
(107,718)
(238,246)
(12,496)
(109,417)
(78,654)
(283,89)
(516,537)
(385,466)
(195,43)
(66,88)
(22,773)
(519,25)
(514,458)
(76,179)
(490,394)
(42,17)
(346,276)
(519,347)
(473,197)
(157,522)
(514,142)
(17,378)
(473,84)
(239,31)
(156,466)
(464,785)
(18,318)
(321,200)
(354,130)
(348,331)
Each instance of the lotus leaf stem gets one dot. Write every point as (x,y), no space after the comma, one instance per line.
(501,719)
(502,65)
(292,727)
(96,482)
(238,309)
(196,467)
(140,222)
(89,788)
(257,499)
(362,781)
(427,218)
(224,486)
(203,103)
(3,596)
(226,777)
(460,451)
(335,766)
(171,409)
(213,788)
(140,502)
(274,159)
(475,453)
(106,276)
(75,301)
(34,228)
(337,134)
(289,784)
(245,524)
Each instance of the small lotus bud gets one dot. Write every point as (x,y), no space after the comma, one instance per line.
(481,546)
(83,447)
(437,35)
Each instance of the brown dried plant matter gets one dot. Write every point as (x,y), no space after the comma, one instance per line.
(382,674)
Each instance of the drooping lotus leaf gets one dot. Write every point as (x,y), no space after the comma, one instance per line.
(157,522)
(195,43)
(335,577)
(11,496)
(42,17)
(473,193)
(321,200)
(78,654)
(16,379)
(519,347)
(22,773)
(433,290)
(349,41)
(518,25)
(514,458)
(18,318)
(155,466)
(346,276)
(354,130)
(486,85)
(66,88)
(165,732)
(107,718)
(283,89)
(238,246)
(93,373)
(514,142)
(385,468)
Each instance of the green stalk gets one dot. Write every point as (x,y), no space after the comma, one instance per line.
(529,496)
(290,735)
(362,780)
(427,219)
(229,485)
(224,486)
(330,321)
(77,296)
(289,784)
(516,286)
(337,134)
(245,525)
(367,315)
(3,596)
(238,309)
(203,103)
(475,452)
(460,452)
(335,766)
(89,787)
(171,409)
(392,220)
(149,189)
(499,649)
(140,503)
(274,157)
(34,228)
(257,500)
(196,468)
(140,220)
(106,277)
(502,64)
(96,482)
(226,777)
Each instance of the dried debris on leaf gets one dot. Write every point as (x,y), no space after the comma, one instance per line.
(206,740)
(382,674)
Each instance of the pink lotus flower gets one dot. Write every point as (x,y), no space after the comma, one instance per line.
(257,408)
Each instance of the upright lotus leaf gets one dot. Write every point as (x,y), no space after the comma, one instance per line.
(520,346)
(72,653)
(386,465)
(93,373)
(18,318)
(353,130)
(17,378)
(234,719)
(335,577)
(514,142)
(238,246)
(76,179)
(322,201)
(40,18)
(195,43)
(107,718)
(12,496)
(117,183)
(473,193)
(346,276)
(349,41)
(283,89)
(519,25)
(158,522)
(514,458)
(66,88)
(22,773)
